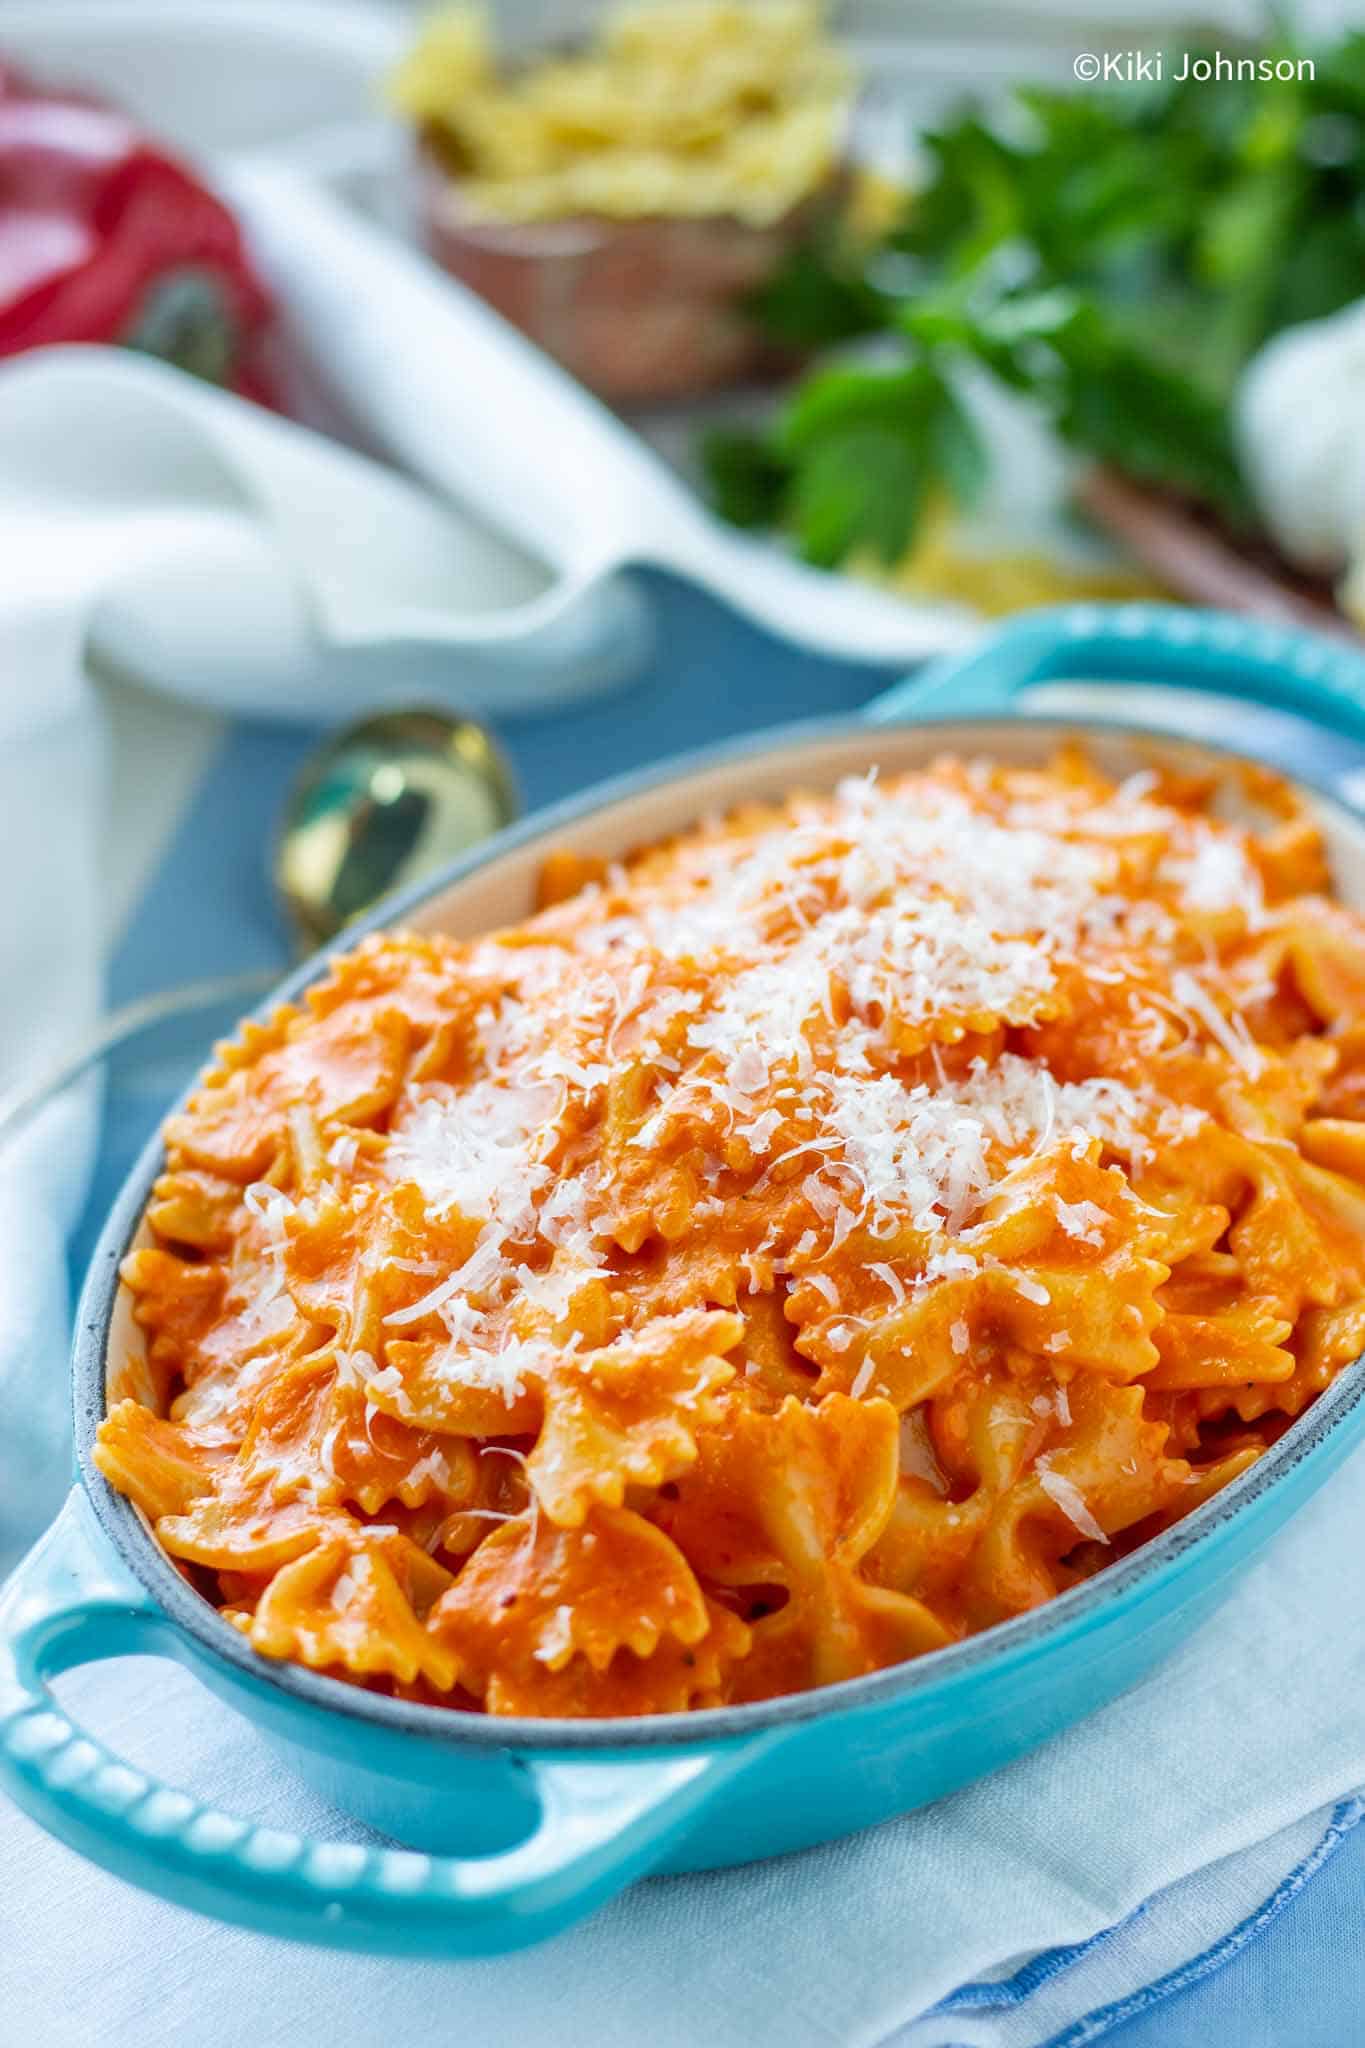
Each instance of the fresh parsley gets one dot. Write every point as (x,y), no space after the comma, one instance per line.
(1118,256)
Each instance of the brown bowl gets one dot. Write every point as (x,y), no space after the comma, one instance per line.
(638,310)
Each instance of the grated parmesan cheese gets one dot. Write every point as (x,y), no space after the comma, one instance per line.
(1213,872)
(893,909)
(1084,1221)
(1070,1500)
(1229,1032)
(918,1459)
(474,1150)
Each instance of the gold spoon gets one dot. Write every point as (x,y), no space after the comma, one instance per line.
(385,801)
(388,800)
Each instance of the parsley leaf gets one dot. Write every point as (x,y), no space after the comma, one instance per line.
(818,297)
(851,462)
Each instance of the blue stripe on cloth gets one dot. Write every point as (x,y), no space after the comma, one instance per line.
(1345,1819)
(1010,1993)
(1013,1991)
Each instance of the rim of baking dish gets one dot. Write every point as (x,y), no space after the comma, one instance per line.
(1005,1644)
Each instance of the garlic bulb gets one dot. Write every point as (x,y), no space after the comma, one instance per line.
(1300,423)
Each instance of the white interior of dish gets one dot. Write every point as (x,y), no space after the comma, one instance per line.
(505,890)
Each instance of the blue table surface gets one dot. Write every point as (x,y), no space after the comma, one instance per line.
(209,912)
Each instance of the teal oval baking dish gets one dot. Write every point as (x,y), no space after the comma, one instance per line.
(514,1829)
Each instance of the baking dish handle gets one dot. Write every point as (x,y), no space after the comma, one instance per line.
(1279,666)
(601,1824)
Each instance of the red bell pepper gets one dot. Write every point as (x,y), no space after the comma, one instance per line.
(106,238)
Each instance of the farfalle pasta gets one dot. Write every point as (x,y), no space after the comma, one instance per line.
(813,1240)
(675,108)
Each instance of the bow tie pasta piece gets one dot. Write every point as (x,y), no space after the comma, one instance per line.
(267,1506)
(674,1677)
(246,1530)
(313,1435)
(800,1496)
(853,1629)
(987,1430)
(1325,955)
(773,1367)
(344,1069)
(1244,1343)
(356,1261)
(421,1383)
(332,1065)
(178,1304)
(926,1546)
(374,1459)
(195,1209)
(1110,1473)
(1101,1318)
(1326,1340)
(537,1596)
(161,1468)
(629,1414)
(1299,1234)
(653,1194)
(1063,1260)
(774,1494)
(357,1603)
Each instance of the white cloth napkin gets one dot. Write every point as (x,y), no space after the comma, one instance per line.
(52,767)
(218,552)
